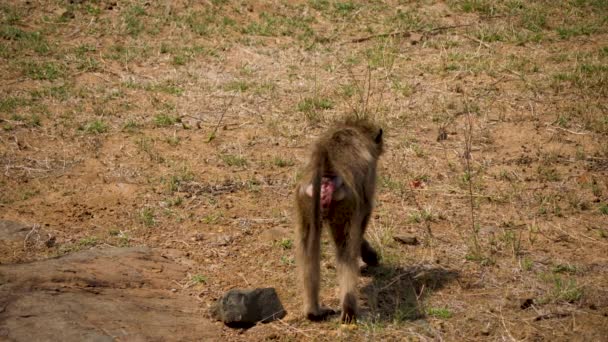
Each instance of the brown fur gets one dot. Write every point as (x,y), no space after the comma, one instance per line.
(350,151)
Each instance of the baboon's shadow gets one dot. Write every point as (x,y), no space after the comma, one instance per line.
(396,293)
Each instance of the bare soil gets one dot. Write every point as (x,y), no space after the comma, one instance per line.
(149,152)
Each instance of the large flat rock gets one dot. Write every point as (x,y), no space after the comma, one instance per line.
(100,295)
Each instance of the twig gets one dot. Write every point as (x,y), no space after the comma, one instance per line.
(392,282)
(467,156)
(481,42)
(219,122)
(404,33)
(566,130)
(290,327)
(552,315)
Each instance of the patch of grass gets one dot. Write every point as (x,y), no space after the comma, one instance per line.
(131,126)
(198,279)
(42,70)
(233,160)
(273,25)
(25,39)
(424,215)
(10,103)
(392,184)
(88,242)
(238,85)
(132,20)
(173,140)
(404,313)
(96,127)
(527,264)
(146,216)
(603,209)
(281,162)
(548,174)
(122,239)
(167,87)
(184,174)
(212,218)
(164,120)
(564,268)
(285,243)
(287,261)
(344,8)
(563,289)
(576,30)
(311,107)
(208,22)
(309,104)
(175,202)
(443,313)
(60,92)
(406,21)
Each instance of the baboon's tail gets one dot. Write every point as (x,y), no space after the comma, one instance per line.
(322,160)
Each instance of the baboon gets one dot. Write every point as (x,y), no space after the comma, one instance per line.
(338,190)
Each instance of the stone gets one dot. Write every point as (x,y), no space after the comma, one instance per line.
(240,308)
(406,240)
(100,294)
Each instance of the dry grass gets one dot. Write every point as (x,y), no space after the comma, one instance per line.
(183,126)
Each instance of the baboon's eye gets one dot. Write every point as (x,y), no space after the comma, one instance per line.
(379,137)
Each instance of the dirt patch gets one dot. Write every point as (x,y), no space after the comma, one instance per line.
(100,294)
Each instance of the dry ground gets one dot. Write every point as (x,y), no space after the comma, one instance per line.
(183,124)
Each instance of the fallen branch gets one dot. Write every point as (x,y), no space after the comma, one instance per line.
(552,315)
(219,122)
(481,42)
(404,33)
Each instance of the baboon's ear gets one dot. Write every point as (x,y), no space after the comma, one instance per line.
(379,137)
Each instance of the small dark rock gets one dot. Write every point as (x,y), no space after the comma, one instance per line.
(406,240)
(67,15)
(50,242)
(244,308)
(485,331)
(527,303)
(443,134)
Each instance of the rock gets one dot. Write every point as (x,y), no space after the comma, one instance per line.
(406,240)
(13,231)
(99,295)
(244,308)
(486,330)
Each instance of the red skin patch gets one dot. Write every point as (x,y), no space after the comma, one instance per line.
(327,189)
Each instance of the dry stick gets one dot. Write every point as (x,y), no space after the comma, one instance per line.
(467,156)
(359,90)
(369,88)
(404,33)
(219,122)
(477,40)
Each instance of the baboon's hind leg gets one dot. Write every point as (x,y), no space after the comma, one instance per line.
(348,248)
(308,258)
(368,254)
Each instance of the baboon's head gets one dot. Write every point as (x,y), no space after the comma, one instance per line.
(369,130)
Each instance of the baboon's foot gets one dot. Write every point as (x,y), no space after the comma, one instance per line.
(349,309)
(320,315)
(369,255)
